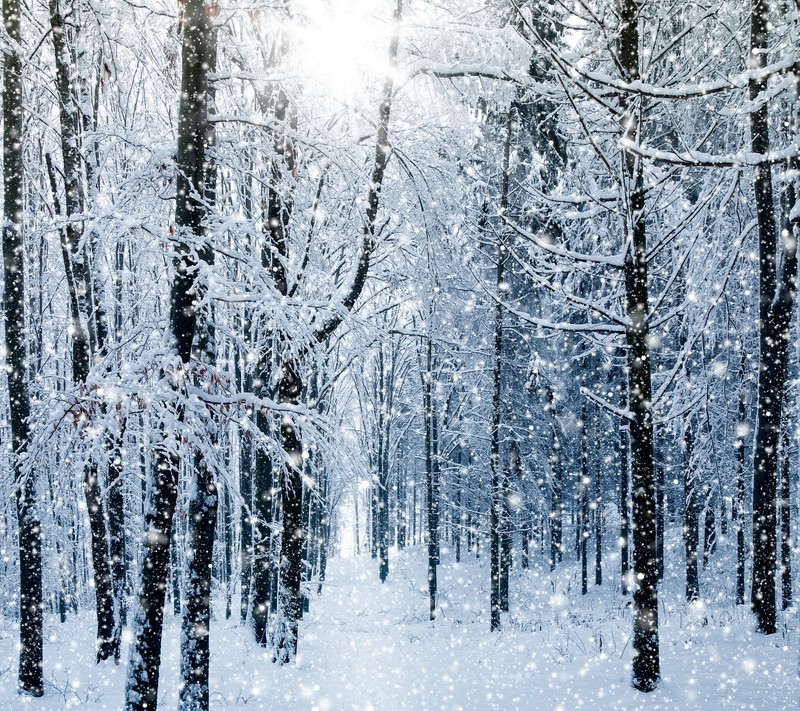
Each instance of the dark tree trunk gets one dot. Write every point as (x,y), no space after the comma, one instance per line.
(246,551)
(505,538)
(427,405)
(660,520)
(556,491)
(786,526)
(709,527)
(204,494)
(108,638)
(195,652)
(624,507)
(80,281)
(457,515)
(143,669)
(290,568)
(691,533)
(382,515)
(583,493)
(739,510)
(775,310)
(646,671)
(263,485)
(116,532)
(598,508)
(30,678)
(525,540)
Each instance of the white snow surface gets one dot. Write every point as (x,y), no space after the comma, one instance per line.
(370,646)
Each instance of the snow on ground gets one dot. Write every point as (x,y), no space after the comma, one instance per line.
(368,646)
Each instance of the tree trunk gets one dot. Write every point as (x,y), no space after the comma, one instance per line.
(598,508)
(204,496)
(556,490)
(582,525)
(775,308)
(690,518)
(80,282)
(624,508)
(660,519)
(116,532)
(290,567)
(195,652)
(263,485)
(245,517)
(709,526)
(30,678)
(427,396)
(646,664)
(143,669)
(382,517)
(786,526)
(741,551)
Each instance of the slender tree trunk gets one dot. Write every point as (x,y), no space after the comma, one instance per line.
(263,485)
(245,517)
(204,494)
(427,395)
(293,536)
(709,526)
(556,489)
(786,526)
(690,518)
(116,532)
(624,508)
(382,518)
(582,524)
(776,300)
(741,552)
(646,671)
(141,691)
(76,263)
(661,519)
(195,652)
(31,660)
(598,508)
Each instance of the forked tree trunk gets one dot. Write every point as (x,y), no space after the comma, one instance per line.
(80,281)
(141,692)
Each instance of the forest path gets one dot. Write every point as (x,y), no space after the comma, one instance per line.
(370,646)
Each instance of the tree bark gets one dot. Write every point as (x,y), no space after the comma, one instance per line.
(141,692)
(775,309)
(741,551)
(76,264)
(583,489)
(690,518)
(290,567)
(624,509)
(646,671)
(427,406)
(786,526)
(30,676)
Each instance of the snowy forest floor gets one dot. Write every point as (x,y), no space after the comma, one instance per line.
(368,646)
